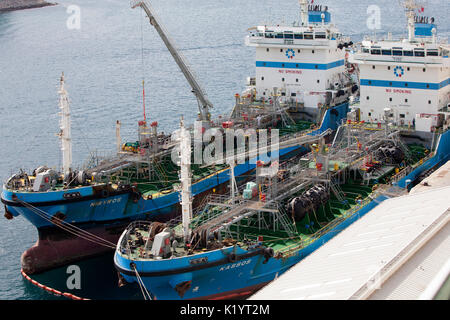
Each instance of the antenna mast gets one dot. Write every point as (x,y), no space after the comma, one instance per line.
(304,11)
(64,125)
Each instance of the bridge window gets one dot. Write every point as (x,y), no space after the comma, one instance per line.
(288,36)
(386,52)
(293,94)
(279,35)
(375,51)
(298,35)
(408,53)
(397,52)
(365,50)
(269,35)
(432,53)
(308,36)
(419,53)
(321,36)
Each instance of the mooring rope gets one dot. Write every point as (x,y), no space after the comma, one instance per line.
(69,227)
(142,285)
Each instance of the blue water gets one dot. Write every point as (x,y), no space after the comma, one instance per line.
(104,70)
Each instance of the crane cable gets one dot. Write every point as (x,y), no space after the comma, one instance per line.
(143,67)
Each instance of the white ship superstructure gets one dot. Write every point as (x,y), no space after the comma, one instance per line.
(406,81)
(304,62)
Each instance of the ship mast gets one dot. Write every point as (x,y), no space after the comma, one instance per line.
(185,178)
(304,11)
(64,134)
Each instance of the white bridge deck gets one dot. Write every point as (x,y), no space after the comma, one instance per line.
(371,254)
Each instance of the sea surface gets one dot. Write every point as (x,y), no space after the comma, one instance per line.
(104,62)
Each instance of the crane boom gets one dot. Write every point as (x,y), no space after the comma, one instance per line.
(204,103)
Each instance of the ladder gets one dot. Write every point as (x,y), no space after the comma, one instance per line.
(337,191)
(283,217)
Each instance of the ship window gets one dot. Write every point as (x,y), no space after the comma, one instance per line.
(282,65)
(429,101)
(370,114)
(408,69)
(419,53)
(281,50)
(397,52)
(312,51)
(308,36)
(406,100)
(367,97)
(264,93)
(264,64)
(298,51)
(375,51)
(389,67)
(278,35)
(402,115)
(283,94)
(390,99)
(298,35)
(282,79)
(428,85)
(293,94)
(269,35)
(386,52)
(432,53)
(365,50)
(406,84)
(370,81)
(262,78)
(408,53)
(296,65)
(316,66)
(288,36)
(320,36)
(267,49)
(373,67)
(390,84)
(318,81)
(424,69)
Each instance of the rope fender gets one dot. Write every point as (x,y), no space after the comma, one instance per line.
(51,290)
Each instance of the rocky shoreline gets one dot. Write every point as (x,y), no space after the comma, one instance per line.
(10,5)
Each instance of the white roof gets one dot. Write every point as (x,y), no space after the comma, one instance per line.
(355,262)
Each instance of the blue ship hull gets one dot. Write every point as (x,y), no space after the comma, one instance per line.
(107,215)
(220,278)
